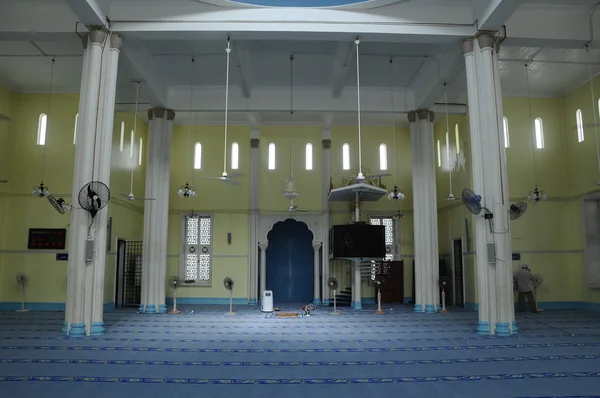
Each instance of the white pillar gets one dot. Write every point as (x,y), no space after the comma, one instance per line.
(357,286)
(86,126)
(326,184)
(496,313)
(425,212)
(102,166)
(263,266)
(317,268)
(253,295)
(156,212)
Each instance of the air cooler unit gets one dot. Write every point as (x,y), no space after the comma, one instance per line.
(266,304)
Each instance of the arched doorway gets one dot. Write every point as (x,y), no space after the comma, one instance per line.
(290,268)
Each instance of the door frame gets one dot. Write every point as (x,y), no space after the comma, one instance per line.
(462,256)
(119,275)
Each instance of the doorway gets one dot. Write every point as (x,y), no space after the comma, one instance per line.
(458,285)
(119,272)
(290,268)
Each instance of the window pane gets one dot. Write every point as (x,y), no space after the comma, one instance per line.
(439,154)
(506,133)
(457,138)
(235,156)
(75,129)
(579,117)
(122,136)
(271,156)
(309,157)
(131,145)
(346,157)
(539,133)
(382,157)
(42,123)
(197,156)
(448,149)
(141,149)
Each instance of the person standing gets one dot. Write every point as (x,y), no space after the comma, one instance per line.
(525,280)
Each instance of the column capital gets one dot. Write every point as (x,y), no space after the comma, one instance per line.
(254,142)
(116,41)
(96,35)
(326,142)
(485,40)
(316,245)
(161,113)
(254,133)
(467,45)
(412,116)
(326,133)
(263,245)
(426,114)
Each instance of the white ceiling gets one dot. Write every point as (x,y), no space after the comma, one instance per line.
(555,68)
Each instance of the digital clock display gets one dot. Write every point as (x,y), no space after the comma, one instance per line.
(45,238)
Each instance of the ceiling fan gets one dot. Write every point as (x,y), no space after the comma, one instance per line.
(228,178)
(131,196)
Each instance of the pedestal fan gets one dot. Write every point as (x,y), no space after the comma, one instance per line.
(379,282)
(174,282)
(443,282)
(228,283)
(333,284)
(22,280)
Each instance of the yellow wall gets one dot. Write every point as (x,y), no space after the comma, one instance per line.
(22,166)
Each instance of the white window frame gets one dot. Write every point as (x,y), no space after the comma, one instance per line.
(346,156)
(197,156)
(42,129)
(457,138)
(539,133)
(75,129)
(506,132)
(132,144)
(383,157)
(580,130)
(439,154)
(235,156)
(271,156)
(390,247)
(141,150)
(122,136)
(448,150)
(309,156)
(200,249)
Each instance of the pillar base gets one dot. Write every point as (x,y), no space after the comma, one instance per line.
(97,329)
(252,301)
(162,309)
(77,330)
(317,301)
(326,301)
(483,327)
(515,329)
(418,308)
(65,328)
(150,309)
(502,329)
(429,309)
(358,305)
(141,308)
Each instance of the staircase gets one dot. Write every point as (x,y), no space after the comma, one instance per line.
(343,298)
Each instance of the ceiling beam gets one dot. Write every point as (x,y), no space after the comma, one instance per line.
(89,12)
(492,14)
(341,61)
(243,62)
(138,64)
(428,84)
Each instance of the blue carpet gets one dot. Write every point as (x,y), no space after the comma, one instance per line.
(203,352)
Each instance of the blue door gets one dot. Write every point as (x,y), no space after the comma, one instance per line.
(290,268)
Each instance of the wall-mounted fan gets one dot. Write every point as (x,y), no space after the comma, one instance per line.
(472,202)
(517,210)
(333,284)
(59,204)
(93,197)
(538,279)
(228,283)
(443,283)
(379,283)
(22,281)
(174,283)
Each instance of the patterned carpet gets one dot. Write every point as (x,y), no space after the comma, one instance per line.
(203,352)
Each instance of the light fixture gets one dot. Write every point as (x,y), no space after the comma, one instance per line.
(185,191)
(41,190)
(290,193)
(536,195)
(395,194)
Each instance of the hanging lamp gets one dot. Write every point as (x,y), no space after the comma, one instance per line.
(450,164)
(536,195)
(290,192)
(41,190)
(186,190)
(395,194)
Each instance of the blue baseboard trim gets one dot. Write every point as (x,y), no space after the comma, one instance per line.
(8,306)
(407,300)
(206,300)
(252,301)
(108,307)
(551,305)
(367,300)
(472,307)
